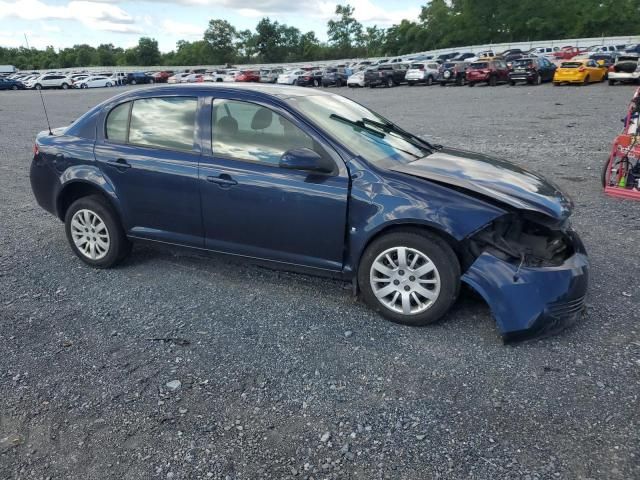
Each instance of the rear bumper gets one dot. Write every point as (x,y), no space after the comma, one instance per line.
(522,76)
(474,77)
(532,302)
(624,76)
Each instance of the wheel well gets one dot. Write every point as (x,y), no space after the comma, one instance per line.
(412,227)
(73,192)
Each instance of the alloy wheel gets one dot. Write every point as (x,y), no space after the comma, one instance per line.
(90,234)
(405,280)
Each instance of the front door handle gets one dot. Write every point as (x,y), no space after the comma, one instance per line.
(224,180)
(120,164)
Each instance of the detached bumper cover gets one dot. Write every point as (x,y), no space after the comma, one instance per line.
(531,302)
(622,76)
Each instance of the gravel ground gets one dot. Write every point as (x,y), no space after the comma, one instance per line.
(178,365)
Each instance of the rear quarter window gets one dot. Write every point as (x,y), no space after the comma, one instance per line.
(117,123)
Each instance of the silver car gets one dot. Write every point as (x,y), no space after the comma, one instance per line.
(626,69)
(270,75)
(422,72)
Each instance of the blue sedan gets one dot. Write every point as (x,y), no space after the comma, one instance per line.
(311,181)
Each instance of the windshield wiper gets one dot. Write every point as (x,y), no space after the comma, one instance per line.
(362,126)
(392,127)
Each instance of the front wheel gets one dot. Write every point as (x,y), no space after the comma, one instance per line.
(65,86)
(390,82)
(95,233)
(612,82)
(429,80)
(109,84)
(133,82)
(38,86)
(411,277)
(493,81)
(471,84)
(14,87)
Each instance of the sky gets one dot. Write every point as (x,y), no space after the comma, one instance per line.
(63,23)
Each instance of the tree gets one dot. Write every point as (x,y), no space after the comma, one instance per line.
(221,35)
(344,32)
(147,52)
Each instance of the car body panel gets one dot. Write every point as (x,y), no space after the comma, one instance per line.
(528,69)
(493,178)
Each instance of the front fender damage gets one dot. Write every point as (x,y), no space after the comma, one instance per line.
(534,277)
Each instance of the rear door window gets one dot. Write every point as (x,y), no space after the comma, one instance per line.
(164,122)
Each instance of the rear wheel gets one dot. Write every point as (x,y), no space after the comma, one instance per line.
(410,277)
(586,81)
(411,84)
(152,81)
(443,84)
(390,82)
(95,233)
(471,84)
(109,84)
(493,81)
(512,83)
(133,82)
(538,79)
(612,82)
(37,86)
(14,87)
(459,81)
(429,80)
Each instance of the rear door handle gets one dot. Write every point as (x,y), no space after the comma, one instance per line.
(120,164)
(223,180)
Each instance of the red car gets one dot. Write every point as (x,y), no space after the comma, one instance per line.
(248,76)
(567,53)
(162,77)
(491,72)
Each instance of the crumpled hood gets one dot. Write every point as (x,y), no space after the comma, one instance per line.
(497,179)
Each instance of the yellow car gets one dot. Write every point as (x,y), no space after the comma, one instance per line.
(580,71)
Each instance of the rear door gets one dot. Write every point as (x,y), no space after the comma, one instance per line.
(251,206)
(148,150)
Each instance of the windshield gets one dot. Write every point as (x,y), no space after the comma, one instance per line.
(523,63)
(479,65)
(363,131)
(571,65)
(417,66)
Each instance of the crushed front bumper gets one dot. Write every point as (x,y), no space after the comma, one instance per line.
(531,302)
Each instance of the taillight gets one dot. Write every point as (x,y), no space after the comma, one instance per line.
(36,150)
(581,69)
(611,69)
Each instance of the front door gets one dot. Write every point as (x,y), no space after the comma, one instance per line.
(149,153)
(254,208)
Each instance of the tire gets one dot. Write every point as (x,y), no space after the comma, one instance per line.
(316,82)
(411,84)
(556,84)
(471,84)
(612,82)
(338,83)
(371,85)
(430,247)
(512,83)
(538,79)
(443,84)
(14,87)
(83,85)
(37,86)
(460,81)
(109,85)
(133,82)
(152,81)
(493,81)
(429,80)
(118,246)
(603,175)
(65,86)
(586,81)
(390,82)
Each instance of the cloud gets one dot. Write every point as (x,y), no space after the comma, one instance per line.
(96,15)
(183,29)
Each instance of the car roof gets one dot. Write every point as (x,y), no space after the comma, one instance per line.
(273,90)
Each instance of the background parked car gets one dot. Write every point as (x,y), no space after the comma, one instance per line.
(422,72)
(94,82)
(492,72)
(532,70)
(626,69)
(604,59)
(452,72)
(10,84)
(633,48)
(335,76)
(386,74)
(290,77)
(356,80)
(270,75)
(163,76)
(579,71)
(231,76)
(177,78)
(193,78)
(544,50)
(310,78)
(248,76)
(136,78)
(50,81)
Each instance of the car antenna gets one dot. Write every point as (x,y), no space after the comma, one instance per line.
(44,107)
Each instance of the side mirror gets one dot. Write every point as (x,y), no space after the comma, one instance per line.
(307,160)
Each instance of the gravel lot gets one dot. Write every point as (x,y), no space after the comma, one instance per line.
(279,375)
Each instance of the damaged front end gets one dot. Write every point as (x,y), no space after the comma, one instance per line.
(531,270)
